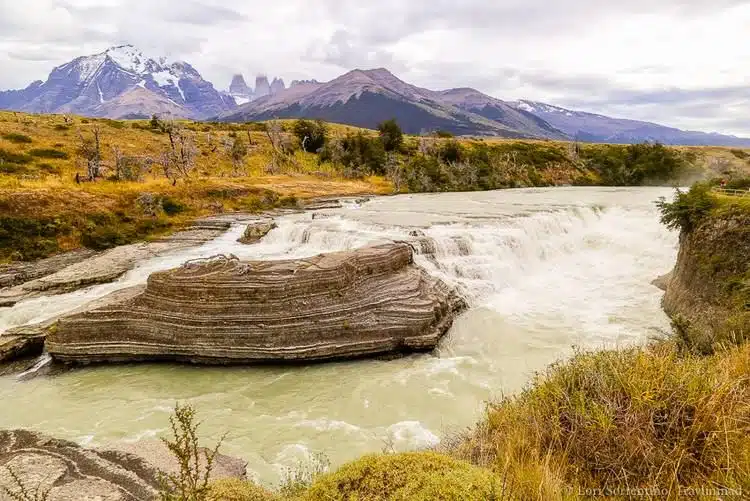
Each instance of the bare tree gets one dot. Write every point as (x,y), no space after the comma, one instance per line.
(183,149)
(128,167)
(89,149)
(394,171)
(281,145)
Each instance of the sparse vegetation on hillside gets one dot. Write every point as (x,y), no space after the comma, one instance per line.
(59,175)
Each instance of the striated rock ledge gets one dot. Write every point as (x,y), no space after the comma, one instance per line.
(370,301)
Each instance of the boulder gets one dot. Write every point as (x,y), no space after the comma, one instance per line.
(69,472)
(366,302)
(256,231)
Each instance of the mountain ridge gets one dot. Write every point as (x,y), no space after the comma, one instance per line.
(366,97)
(121,82)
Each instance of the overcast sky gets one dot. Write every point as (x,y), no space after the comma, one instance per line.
(679,62)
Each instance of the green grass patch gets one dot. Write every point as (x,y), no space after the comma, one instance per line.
(49,153)
(17,138)
(14,158)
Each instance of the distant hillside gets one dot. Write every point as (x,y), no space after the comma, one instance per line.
(595,128)
(366,98)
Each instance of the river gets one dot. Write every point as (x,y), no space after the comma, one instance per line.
(543,270)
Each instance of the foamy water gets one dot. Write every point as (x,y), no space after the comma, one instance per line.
(543,270)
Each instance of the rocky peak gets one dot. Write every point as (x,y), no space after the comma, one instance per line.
(239,86)
(262,86)
(277,85)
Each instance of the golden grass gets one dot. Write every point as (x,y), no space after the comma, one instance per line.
(640,418)
(45,210)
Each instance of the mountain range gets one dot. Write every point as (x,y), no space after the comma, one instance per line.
(123,83)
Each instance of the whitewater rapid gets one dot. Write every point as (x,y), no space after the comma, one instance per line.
(543,270)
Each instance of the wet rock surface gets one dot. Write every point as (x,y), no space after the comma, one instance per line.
(109,265)
(366,302)
(256,231)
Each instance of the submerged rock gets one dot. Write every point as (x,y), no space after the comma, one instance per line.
(370,301)
(256,231)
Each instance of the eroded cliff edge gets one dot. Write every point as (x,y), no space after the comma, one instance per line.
(365,302)
(708,292)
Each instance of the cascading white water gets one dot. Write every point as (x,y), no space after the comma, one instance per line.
(543,270)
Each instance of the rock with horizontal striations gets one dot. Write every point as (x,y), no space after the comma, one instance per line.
(256,231)
(370,301)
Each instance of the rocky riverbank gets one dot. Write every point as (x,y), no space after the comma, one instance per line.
(69,472)
(708,292)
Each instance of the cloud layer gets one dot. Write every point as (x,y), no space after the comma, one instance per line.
(678,62)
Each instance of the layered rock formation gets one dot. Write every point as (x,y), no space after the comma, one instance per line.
(708,293)
(366,302)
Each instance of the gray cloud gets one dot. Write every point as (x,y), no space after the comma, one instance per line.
(636,59)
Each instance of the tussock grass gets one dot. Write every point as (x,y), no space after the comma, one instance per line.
(641,418)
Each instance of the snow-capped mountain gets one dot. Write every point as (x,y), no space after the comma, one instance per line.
(590,127)
(121,82)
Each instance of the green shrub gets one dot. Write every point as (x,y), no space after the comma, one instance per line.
(49,153)
(28,238)
(687,209)
(413,476)
(115,124)
(634,164)
(741,154)
(102,230)
(16,169)
(61,127)
(358,153)
(232,489)
(17,138)
(14,158)
(172,207)
(391,135)
(738,184)
(312,136)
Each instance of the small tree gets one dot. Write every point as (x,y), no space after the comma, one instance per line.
(391,135)
(237,153)
(183,149)
(312,135)
(191,482)
(89,149)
